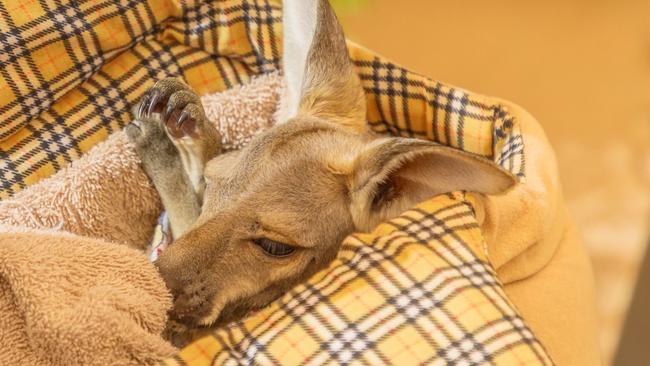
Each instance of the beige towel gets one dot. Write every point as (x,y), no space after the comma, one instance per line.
(71,289)
(70,300)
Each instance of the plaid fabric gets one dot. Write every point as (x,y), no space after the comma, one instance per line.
(70,70)
(417,290)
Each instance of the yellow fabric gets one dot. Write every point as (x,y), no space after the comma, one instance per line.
(564,317)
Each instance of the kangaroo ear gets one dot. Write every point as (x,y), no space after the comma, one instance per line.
(321,81)
(393,174)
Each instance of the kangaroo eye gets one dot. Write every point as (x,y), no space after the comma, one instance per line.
(274,248)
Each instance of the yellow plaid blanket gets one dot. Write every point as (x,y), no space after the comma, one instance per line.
(417,290)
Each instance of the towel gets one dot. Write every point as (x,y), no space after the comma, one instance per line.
(71,300)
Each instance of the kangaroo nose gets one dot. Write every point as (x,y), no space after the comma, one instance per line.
(190,299)
(170,275)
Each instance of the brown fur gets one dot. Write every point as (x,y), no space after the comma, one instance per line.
(307,183)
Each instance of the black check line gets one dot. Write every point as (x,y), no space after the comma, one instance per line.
(537,348)
(187,58)
(234,70)
(119,115)
(259,34)
(346,345)
(215,14)
(513,149)
(247,21)
(461,121)
(510,319)
(184,29)
(78,32)
(186,32)
(264,19)
(127,24)
(231,339)
(437,221)
(435,102)
(242,349)
(376,91)
(523,333)
(204,27)
(9,169)
(270,21)
(224,74)
(46,144)
(225,345)
(140,22)
(390,93)
(448,108)
(351,267)
(151,17)
(214,33)
(502,130)
(403,79)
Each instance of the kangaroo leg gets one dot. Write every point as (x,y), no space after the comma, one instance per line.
(175,140)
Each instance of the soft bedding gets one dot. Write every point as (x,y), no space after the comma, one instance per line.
(459,277)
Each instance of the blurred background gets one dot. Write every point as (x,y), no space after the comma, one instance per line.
(582,67)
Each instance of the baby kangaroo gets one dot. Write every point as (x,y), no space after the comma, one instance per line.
(249,225)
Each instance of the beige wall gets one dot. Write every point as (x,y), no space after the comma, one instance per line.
(582,67)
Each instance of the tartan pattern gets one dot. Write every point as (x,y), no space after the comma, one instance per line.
(417,290)
(70,70)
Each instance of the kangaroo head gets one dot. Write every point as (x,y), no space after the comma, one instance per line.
(275,212)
